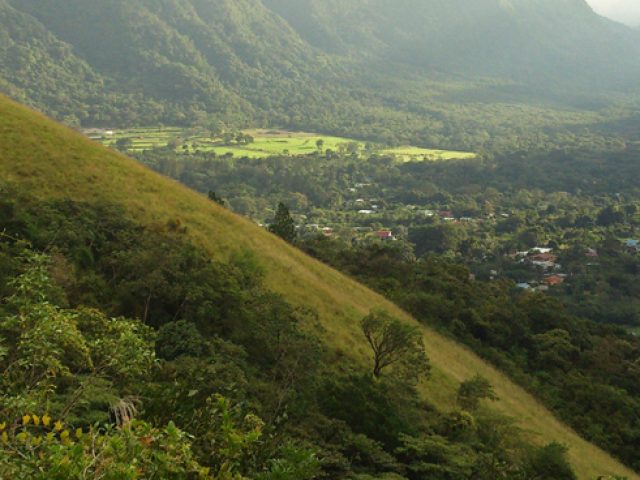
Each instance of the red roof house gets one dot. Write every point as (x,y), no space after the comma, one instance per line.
(554,280)
(384,234)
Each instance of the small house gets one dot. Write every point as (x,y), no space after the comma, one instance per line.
(554,280)
(544,265)
(543,257)
(385,235)
(632,246)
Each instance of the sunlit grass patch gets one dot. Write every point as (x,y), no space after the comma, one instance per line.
(408,154)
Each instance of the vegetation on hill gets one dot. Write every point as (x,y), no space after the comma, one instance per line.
(114,246)
(291,64)
(486,215)
(540,41)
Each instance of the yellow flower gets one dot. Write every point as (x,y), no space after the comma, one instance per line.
(50,436)
(64,438)
(3,425)
(26,419)
(22,436)
(37,441)
(79,433)
(46,420)
(5,437)
(36,420)
(58,426)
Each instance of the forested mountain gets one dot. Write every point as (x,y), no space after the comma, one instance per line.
(399,67)
(557,43)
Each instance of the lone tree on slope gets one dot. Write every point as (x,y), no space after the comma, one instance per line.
(283,225)
(395,343)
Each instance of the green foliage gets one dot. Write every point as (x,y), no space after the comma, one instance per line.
(226,438)
(52,347)
(283,225)
(42,450)
(78,364)
(378,409)
(396,344)
(180,338)
(577,367)
(293,464)
(45,342)
(435,458)
(471,392)
(549,463)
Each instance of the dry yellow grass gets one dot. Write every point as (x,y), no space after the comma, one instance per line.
(54,162)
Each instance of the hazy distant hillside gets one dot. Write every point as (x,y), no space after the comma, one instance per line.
(377,68)
(539,40)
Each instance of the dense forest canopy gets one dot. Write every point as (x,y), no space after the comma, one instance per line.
(441,73)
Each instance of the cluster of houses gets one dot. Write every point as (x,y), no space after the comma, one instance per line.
(544,259)
(356,233)
(366,207)
(315,227)
(545,284)
(541,257)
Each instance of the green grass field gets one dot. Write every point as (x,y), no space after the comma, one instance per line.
(266,143)
(53,162)
(408,154)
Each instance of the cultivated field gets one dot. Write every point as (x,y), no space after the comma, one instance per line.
(263,143)
(412,154)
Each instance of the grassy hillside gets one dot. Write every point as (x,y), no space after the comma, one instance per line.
(54,162)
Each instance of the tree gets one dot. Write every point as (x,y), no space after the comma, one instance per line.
(549,463)
(610,216)
(214,197)
(394,343)
(472,391)
(320,144)
(283,225)
(353,147)
(124,144)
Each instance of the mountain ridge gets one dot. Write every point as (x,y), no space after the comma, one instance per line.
(291,62)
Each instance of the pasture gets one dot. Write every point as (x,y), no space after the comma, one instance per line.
(258,143)
(410,154)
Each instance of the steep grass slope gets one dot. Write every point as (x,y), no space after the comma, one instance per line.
(54,162)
